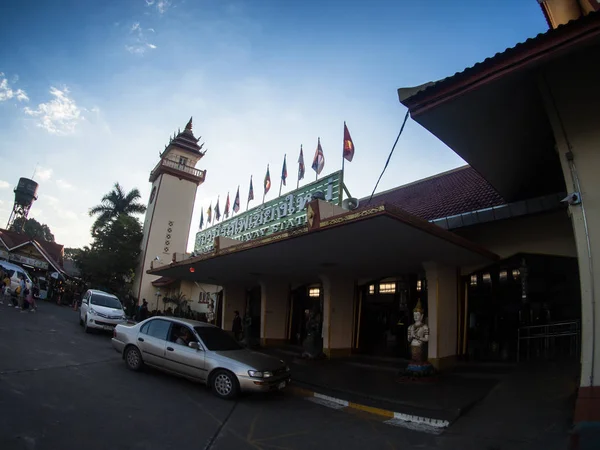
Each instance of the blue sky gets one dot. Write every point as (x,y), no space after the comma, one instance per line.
(91,91)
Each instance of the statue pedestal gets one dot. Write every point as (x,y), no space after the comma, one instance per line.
(417,371)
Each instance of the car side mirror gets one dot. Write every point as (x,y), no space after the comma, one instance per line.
(194,345)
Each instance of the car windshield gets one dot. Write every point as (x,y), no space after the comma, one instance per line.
(105,300)
(216,339)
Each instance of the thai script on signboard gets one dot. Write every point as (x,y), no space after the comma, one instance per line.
(26,260)
(280,214)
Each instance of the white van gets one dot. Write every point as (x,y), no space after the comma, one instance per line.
(14,273)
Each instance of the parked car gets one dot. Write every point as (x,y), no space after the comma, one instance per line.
(14,272)
(100,310)
(200,352)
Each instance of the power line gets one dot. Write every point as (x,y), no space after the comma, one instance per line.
(389,157)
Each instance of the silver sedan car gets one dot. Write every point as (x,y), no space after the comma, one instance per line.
(200,352)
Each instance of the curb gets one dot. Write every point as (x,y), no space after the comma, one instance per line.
(438,424)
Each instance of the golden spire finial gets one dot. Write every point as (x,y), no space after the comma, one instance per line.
(419,307)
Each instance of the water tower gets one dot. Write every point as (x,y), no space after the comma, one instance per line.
(25,194)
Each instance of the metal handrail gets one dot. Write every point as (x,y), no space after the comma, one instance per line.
(548,333)
(184,168)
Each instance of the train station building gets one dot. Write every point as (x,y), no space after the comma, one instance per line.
(500,252)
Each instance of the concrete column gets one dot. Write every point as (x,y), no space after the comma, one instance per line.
(338,315)
(274,306)
(573,112)
(442,314)
(234,299)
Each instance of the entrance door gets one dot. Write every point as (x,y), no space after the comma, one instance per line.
(303,301)
(253,308)
(383,322)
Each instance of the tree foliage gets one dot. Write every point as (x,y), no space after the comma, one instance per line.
(72,253)
(33,229)
(109,262)
(115,204)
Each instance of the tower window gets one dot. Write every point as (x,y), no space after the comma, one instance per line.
(314,292)
(419,285)
(183,161)
(371,289)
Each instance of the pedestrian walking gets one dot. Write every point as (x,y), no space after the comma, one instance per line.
(31,301)
(143,312)
(21,293)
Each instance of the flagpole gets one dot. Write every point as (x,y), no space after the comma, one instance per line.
(281,177)
(343,159)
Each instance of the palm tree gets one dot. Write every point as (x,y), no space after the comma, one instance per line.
(115,203)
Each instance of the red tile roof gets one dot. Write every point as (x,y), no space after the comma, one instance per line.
(446,194)
(51,250)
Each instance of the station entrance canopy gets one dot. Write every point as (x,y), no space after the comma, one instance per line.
(368,243)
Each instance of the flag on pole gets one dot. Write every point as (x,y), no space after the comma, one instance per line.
(284,170)
(201,219)
(267,180)
(348,144)
(209,214)
(319,159)
(301,168)
(217,211)
(236,202)
(250,191)
(226,212)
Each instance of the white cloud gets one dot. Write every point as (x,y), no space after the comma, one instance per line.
(43,174)
(139,43)
(64,184)
(60,115)
(7,92)
(161,5)
(4,184)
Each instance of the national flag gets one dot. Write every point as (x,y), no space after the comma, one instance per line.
(236,202)
(226,212)
(217,211)
(284,170)
(209,214)
(267,180)
(250,191)
(301,168)
(348,144)
(201,219)
(319,159)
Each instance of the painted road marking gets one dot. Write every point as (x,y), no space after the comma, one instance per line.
(417,423)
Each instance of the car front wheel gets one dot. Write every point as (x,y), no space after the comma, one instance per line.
(85,326)
(224,384)
(133,358)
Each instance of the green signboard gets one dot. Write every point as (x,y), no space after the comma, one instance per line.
(287,211)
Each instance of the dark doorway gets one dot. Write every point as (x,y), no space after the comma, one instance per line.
(384,319)
(253,308)
(525,307)
(304,298)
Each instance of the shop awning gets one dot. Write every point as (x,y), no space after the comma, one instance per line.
(163,281)
(368,243)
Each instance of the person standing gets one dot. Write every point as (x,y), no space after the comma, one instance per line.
(143,312)
(237,325)
(22,287)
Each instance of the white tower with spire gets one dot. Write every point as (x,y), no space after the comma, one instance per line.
(175,181)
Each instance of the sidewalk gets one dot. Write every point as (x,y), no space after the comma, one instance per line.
(375,384)
(491,406)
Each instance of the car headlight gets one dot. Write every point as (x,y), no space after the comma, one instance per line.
(259,374)
(92,311)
